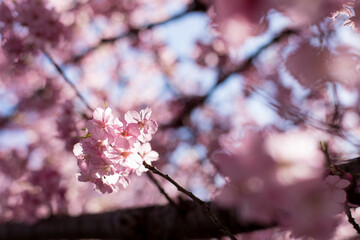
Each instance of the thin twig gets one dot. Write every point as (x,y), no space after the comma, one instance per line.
(324,147)
(72,85)
(351,219)
(203,204)
(161,189)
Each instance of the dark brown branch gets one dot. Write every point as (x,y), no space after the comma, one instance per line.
(351,166)
(153,222)
(195,6)
(160,188)
(72,85)
(334,168)
(191,103)
(203,204)
(351,219)
(7,119)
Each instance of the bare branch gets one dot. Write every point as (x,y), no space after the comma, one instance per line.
(203,204)
(72,85)
(351,219)
(161,189)
(195,6)
(191,103)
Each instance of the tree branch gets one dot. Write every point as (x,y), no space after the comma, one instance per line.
(222,228)
(195,6)
(160,188)
(351,219)
(153,222)
(191,103)
(72,85)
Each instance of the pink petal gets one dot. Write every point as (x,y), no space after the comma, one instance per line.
(145,148)
(343,183)
(132,117)
(122,143)
(151,156)
(107,115)
(332,179)
(133,161)
(133,129)
(339,196)
(145,113)
(78,150)
(152,126)
(98,113)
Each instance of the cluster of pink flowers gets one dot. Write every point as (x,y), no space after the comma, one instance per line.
(266,186)
(41,26)
(114,148)
(239,20)
(37,194)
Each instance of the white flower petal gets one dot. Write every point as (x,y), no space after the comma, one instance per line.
(98,113)
(78,150)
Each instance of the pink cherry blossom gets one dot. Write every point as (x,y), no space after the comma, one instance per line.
(147,126)
(43,24)
(6,17)
(336,186)
(308,210)
(66,126)
(126,131)
(48,179)
(15,48)
(239,20)
(296,154)
(294,78)
(310,12)
(111,151)
(253,189)
(147,154)
(124,155)
(103,118)
(308,64)
(95,169)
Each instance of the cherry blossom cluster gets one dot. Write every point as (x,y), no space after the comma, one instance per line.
(40,26)
(114,148)
(238,20)
(35,195)
(280,177)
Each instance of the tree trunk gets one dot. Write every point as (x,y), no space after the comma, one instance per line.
(185,221)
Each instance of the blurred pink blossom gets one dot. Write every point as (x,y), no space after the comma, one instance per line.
(309,209)
(296,154)
(43,24)
(252,187)
(336,186)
